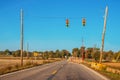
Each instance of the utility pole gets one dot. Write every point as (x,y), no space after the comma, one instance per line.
(82,42)
(94,48)
(118,57)
(27,51)
(83,50)
(21,43)
(94,51)
(103,34)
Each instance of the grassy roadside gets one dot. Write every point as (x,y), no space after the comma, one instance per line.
(109,75)
(28,64)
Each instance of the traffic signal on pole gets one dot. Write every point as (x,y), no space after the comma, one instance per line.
(67,22)
(83,21)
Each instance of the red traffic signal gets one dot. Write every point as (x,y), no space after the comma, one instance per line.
(67,22)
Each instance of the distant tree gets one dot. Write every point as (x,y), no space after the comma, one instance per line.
(2,53)
(51,54)
(76,52)
(31,54)
(58,54)
(65,53)
(108,55)
(89,53)
(116,56)
(24,54)
(7,52)
(46,56)
(16,53)
(96,55)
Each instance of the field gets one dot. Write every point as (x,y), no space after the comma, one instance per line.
(114,65)
(10,64)
(6,62)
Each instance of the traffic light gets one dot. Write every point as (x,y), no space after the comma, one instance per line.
(67,22)
(83,21)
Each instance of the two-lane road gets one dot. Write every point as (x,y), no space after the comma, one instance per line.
(62,70)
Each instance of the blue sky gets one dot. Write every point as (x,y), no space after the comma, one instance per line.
(44,24)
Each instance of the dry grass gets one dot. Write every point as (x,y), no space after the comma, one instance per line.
(6,62)
(114,65)
(13,64)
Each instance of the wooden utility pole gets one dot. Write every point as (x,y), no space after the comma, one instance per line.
(27,51)
(103,34)
(21,43)
(118,57)
(82,42)
(83,50)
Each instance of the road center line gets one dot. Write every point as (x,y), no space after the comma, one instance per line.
(54,72)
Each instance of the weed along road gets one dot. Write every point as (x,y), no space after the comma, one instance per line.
(62,70)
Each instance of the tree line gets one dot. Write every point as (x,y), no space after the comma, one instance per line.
(90,53)
(94,53)
(44,55)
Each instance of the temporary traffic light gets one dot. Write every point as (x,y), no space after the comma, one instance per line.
(67,22)
(83,21)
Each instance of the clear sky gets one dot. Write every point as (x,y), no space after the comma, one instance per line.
(44,24)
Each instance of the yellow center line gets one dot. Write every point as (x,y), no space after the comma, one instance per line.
(54,72)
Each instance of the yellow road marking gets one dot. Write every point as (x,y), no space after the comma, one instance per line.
(54,72)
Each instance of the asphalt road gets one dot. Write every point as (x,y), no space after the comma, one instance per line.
(62,70)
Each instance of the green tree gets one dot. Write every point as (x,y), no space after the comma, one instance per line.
(46,56)
(65,53)
(108,55)
(58,54)
(24,54)
(96,55)
(16,53)
(116,56)
(89,53)
(51,54)
(7,52)
(76,52)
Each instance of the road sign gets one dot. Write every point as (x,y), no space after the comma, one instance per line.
(35,54)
